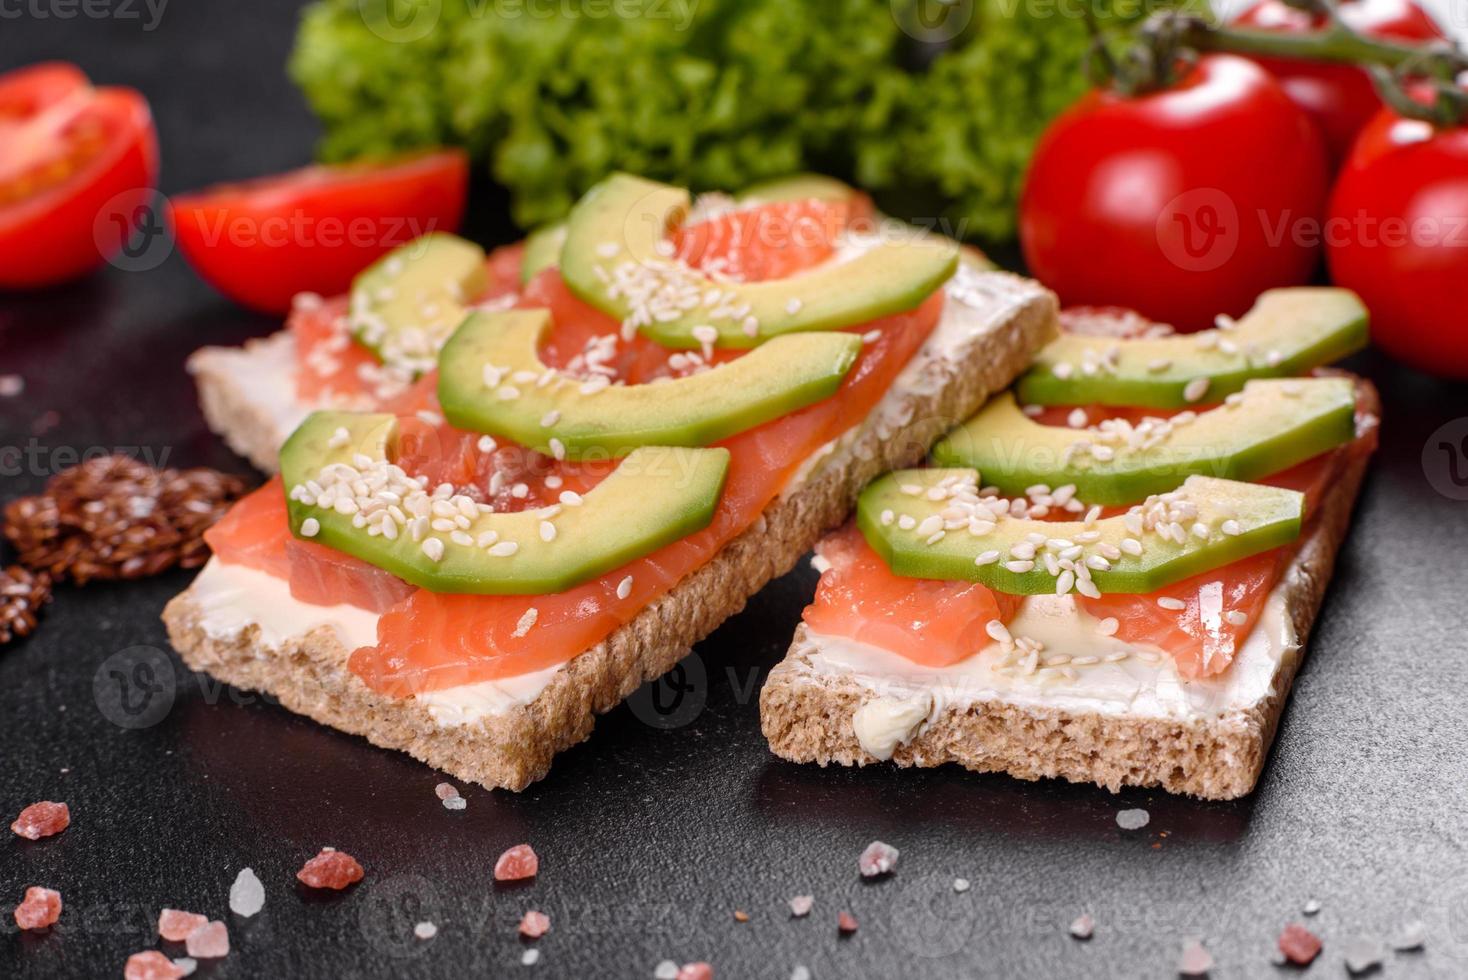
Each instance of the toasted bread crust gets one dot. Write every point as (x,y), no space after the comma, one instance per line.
(806,715)
(308,674)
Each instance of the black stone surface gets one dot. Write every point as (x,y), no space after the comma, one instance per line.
(653,832)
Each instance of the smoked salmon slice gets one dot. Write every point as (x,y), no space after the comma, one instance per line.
(933,623)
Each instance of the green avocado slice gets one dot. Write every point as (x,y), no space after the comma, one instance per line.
(1289,331)
(1266,428)
(542,250)
(900,517)
(656,496)
(612,259)
(404,305)
(534,405)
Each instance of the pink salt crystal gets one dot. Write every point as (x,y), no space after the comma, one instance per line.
(39,910)
(1299,944)
(209,941)
(1195,961)
(517,864)
(151,965)
(42,820)
(846,922)
(446,790)
(534,924)
(877,859)
(331,869)
(801,905)
(696,971)
(175,926)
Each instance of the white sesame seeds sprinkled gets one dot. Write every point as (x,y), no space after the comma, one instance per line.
(550,418)
(507,393)
(1158,365)
(1019,567)
(433,548)
(1231,527)
(1235,617)
(1077,419)
(526,621)
(998,632)
(486,444)
(504,549)
(1168,602)
(1108,626)
(1062,370)
(547,531)
(624,587)
(1195,389)
(608,250)
(888,517)
(871,336)
(310,527)
(793,305)
(558,449)
(987,558)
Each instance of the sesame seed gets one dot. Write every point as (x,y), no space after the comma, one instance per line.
(310,527)
(526,621)
(1065,582)
(888,517)
(1019,567)
(1131,546)
(871,336)
(1168,602)
(1062,370)
(907,522)
(1235,617)
(987,558)
(793,305)
(549,419)
(624,587)
(507,393)
(433,548)
(1077,418)
(558,449)
(547,531)
(1087,588)
(1231,527)
(1195,389)
(570,498)
(998,631)
(486,444)
(1159,364)
(705,334)
(504,549)
(1108,626)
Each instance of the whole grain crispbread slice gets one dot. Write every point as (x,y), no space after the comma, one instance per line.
(806,714)
(308,674)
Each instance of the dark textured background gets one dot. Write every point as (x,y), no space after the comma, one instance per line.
(651,836)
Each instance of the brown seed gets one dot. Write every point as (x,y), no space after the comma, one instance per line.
(740,915)
(22,594)
(116,518)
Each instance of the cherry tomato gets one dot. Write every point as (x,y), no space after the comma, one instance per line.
(1180,204)
(313,229)
(1340,98)
(76,163)
(1398,236)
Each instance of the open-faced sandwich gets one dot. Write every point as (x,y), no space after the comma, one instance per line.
(589,480)
(1107,575)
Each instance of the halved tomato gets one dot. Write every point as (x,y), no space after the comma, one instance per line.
(313,229)
(77,164)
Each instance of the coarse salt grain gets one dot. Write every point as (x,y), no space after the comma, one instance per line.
(445,790)
(425,930)
(331,869)
(1299,945)
(42,820)
(455,803)
(247,894)
(175,926)
(666,970)
(517,864)
(801,905)
(208,942)
(530,957)
(1195,960)
(877,859)
(1083,927)
(961,885)
(695,971)
(1132,819)
(846,923)
(40,908)
(534,924)
(151,965)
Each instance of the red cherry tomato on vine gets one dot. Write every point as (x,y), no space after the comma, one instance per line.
(1398,236)
(76,162)
(1182,203)
(262,241)
(1340,98)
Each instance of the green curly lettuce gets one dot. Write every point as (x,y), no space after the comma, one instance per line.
(554,94)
